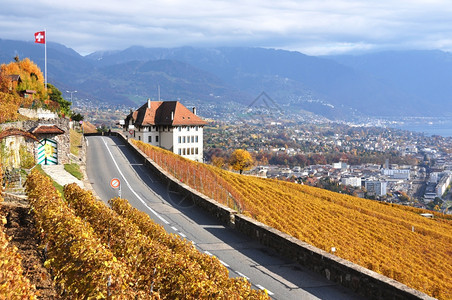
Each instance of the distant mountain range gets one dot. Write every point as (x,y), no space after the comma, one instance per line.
(406,83)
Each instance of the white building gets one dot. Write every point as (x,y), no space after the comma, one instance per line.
(396,173)
(340,166)
(442,185)
(169,125)
(352,181)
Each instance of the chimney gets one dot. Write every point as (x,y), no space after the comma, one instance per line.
(194,110)
(172,116)
(149,103)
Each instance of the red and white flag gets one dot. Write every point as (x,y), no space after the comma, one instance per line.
(40,37)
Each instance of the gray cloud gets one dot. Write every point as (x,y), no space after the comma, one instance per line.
(313,27)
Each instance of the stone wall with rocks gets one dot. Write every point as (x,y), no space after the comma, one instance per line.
(63,140)
(37,113)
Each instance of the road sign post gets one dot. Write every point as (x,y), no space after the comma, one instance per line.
(116,184)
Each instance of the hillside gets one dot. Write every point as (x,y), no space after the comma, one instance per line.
(290,78)
(393,240)
(94,251)
(407,84)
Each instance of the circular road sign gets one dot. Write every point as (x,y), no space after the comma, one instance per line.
(114,183)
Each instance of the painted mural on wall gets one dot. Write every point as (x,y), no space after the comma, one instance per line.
(47,152)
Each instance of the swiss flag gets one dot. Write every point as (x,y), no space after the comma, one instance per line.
(40,37)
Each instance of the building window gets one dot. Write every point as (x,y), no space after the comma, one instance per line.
(150,139)
(196,150)
(183,139)
(156,138)
(184,151)
(192,139)
(196,139)
(180,151)
(179,139)
(188,128)
(139,137)
(196,128)
(179,128)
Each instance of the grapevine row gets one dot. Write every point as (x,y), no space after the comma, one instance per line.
(82,266)
(156,232)
(159,262)
(14,285)
(390,239)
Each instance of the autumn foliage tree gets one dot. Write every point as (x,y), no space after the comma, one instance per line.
(9,103)
(241,160)
(23,75)
(30,74)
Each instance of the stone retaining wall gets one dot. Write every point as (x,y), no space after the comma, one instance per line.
(63,140)
(361,280)
(8,197)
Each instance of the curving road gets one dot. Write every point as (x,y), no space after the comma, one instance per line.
(108,157)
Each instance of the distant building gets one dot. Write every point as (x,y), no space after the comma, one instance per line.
(169,125)
(340,165)
(434,177)
(443,183)
(396,173)
(376,187)
(352,181)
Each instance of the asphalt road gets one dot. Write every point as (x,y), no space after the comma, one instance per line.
(108,158)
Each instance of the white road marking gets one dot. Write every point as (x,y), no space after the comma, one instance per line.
(262,288)
(182,235)
(164,220)
(223,263)
(241,275)
(128,185)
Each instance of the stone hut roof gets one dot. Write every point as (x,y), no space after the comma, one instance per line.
(47,129)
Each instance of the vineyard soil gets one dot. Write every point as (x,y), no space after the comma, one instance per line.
(20,227)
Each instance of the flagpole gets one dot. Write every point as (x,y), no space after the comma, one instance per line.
(45,58)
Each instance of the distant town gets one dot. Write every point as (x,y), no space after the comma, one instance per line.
(365,160)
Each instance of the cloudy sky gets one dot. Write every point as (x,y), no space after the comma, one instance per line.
(313,27)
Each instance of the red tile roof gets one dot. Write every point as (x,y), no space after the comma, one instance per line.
(41,129)
(166,113)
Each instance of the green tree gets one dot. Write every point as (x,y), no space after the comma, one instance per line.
(241,160)
(56,96)
(77,117)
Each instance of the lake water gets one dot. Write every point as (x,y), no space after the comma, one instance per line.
(443,128)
